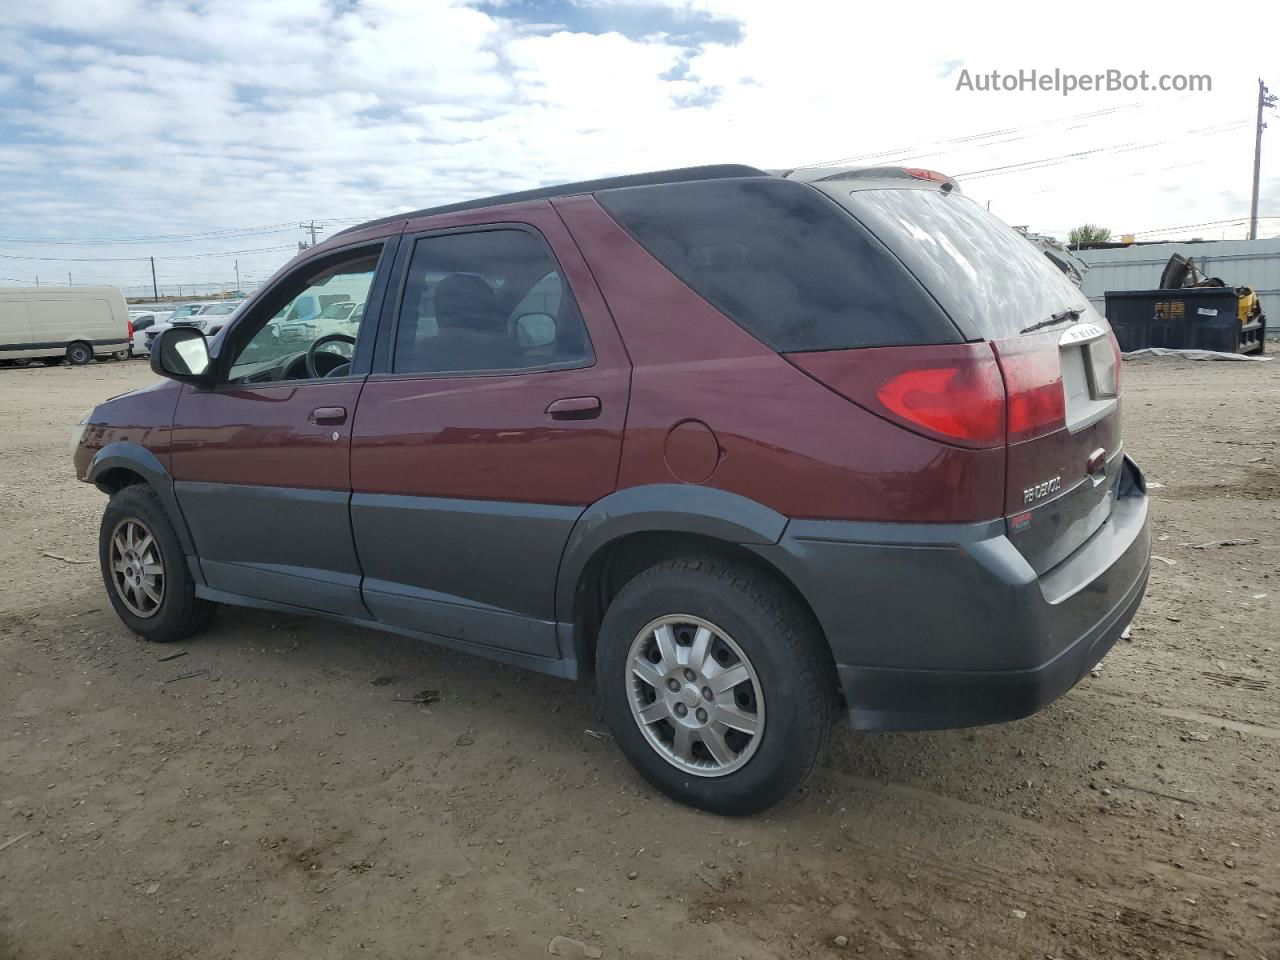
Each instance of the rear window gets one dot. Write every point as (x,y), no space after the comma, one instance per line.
(782,261)
(980,268)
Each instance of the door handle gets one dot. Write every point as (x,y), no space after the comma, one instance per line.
(328,415)
(574,408)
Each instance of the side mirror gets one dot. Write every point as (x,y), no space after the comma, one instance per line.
(181,353)
(535,329)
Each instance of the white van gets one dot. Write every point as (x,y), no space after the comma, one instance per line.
(62,323)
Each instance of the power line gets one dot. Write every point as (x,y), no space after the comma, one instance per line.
(216,234)
(1059,159)
(1193,226)
(221,234)
(913,151)
(183,256)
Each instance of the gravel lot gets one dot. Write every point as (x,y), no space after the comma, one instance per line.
(265,795)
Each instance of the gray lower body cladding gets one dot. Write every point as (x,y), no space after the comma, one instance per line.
(946,626)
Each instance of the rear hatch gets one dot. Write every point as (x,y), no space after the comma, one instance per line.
(1056,355)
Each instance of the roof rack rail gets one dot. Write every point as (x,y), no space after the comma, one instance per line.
(721,171)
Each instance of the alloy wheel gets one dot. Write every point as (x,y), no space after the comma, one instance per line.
(695,695)
(137,569)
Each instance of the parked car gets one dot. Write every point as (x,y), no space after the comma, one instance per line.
(342,316)
(753,450)
(53,324)
(209,318)
(141,321)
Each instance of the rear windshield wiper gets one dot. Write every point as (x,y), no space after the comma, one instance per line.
(1062,316)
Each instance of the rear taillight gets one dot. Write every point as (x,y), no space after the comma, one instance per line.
(128,328)
(1032,372)
(949,391)
(962,402)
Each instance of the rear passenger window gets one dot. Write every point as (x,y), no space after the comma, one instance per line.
(783,261)
(487,301)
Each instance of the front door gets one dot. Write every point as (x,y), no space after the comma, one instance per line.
(261,462)
(495,420)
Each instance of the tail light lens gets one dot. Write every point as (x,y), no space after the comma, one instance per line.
(1032,371)
(962,402)
(948,392)
(128,329)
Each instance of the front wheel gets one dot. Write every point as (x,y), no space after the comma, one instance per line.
(716,683)
(145,571)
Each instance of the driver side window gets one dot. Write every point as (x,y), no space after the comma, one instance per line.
(313,332)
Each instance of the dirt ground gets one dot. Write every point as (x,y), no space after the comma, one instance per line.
(266,796)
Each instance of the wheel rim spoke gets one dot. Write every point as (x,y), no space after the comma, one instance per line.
(714,741)
(682,743)
(735,719)
(698,650)
(654,712)
(726,678)
(666,641)
(647,671)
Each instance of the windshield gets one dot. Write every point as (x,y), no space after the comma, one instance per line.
(971,261)
(337,311)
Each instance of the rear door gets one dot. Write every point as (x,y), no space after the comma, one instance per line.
(494,416)
(1058,358)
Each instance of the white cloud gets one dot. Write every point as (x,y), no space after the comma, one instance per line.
(139,117)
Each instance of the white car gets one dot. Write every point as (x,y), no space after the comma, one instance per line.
(209,318)
(341,316)
(142,321)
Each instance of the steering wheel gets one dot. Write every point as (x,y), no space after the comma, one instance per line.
(312,372)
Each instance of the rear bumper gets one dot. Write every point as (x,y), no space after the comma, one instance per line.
(934,627)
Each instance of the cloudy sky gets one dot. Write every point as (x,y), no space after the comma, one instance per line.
(203,132)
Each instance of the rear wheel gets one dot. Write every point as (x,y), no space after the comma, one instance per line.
(144,568)
(79,353)
(716,682)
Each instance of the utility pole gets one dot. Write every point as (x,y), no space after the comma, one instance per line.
(1264,100)
(69,283)
(155,290)
(237,276)
(313,230)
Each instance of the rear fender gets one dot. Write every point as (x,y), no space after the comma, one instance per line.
(656,508)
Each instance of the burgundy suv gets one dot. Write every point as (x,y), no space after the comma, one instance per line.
(753,448)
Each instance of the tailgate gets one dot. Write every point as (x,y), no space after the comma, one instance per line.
(1061,476)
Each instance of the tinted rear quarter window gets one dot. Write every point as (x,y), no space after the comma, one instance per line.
(782,261)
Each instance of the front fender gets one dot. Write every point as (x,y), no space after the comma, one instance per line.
(660,508)
(123,454)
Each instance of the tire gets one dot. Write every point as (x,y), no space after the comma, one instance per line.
(120,355)
(753,623)
(162,611)
(79,353)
